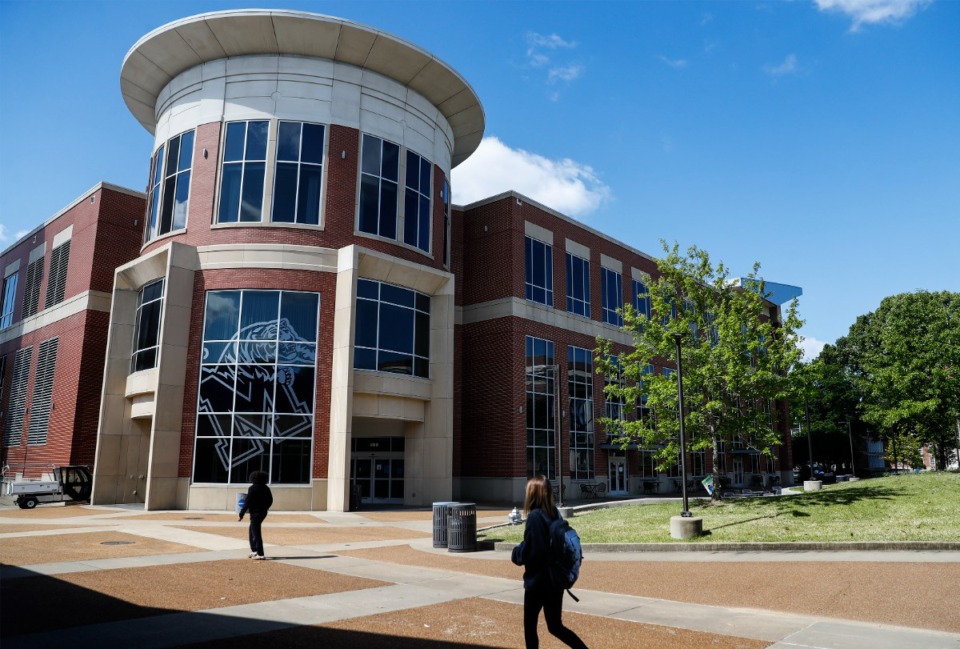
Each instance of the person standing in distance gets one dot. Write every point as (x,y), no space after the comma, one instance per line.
(258,502)
(534,555)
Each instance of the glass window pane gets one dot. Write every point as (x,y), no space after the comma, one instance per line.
(214,425)
(297,354)
(312,148)
(308,205)
(369,204)
(230,194)
(410,221)
(293,426)
(423,302)
(173,149)
(394,362)
(422,347)
(222,315)
(288,141)
(257,141)
(295,389)
(291,461)
(391,161)
(252,199)
(253,425)
(216,388)
(233,149)
(424,216)
(424,177)
(180,209)
(285,193)
(413,170)
(211,462)
(248,455)
(367,288)
(258,316)
(397,295)
(388,210)
(299,310)
(365,359)
(254,388)
(186,151)
(398,336)
(370,157)
(158,165)
(166,210)
(366,330)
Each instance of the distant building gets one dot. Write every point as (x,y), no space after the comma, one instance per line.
(296,293)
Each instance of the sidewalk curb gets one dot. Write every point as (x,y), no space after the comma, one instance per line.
(799,546)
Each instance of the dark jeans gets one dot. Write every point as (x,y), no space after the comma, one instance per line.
(256,536)
(551,601)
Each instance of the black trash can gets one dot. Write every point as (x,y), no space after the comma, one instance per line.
(462,527)
(356,496)
(440,511)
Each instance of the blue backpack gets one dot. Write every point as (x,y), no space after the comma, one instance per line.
(566,555)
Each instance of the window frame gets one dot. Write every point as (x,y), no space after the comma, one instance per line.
(582,433)
(578,298)
(8,299)
(246,164)
(541,386)
(142,307)
(300,165)
(532,289)
(165,185)
(609,313)
(419,305)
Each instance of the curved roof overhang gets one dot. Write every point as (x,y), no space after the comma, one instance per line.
(171,49)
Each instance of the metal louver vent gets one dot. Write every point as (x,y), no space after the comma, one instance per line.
(18,397)
(31,293)
(43,392)
(57,284)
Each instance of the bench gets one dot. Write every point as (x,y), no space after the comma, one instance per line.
(593,489)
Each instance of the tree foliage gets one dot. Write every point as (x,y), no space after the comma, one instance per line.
(904,361)
(735,361)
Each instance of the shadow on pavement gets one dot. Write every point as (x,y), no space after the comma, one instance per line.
(35,605)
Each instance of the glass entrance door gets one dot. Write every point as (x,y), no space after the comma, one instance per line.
(377,467)
(618,484)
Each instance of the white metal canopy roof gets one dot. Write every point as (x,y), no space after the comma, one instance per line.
(173,48)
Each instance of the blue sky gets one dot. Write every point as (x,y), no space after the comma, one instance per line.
(818,137)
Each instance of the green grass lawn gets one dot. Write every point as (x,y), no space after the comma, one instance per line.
(914,507)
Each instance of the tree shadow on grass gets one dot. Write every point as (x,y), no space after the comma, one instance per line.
(40,610)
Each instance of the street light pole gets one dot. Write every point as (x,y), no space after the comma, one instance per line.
(853,469)
(806,410)
(683,444)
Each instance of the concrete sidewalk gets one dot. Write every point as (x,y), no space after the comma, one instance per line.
(375,590)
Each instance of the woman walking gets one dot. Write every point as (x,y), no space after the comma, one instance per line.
(534,554)
(258,502)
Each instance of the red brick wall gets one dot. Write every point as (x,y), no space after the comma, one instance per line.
(212,280)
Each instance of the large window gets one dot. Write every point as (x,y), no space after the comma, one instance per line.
(538,271)
(255,406)
(392,329)
(578,285)
(612,289)
(580,386)
(541,408)
(9,299)
(641,298)
(614,407)
(42,392)
(379,180)
(242,175)
(169,188)
(446,223)
(146,340)
(416,211)
(298,182)
(17,407)
(57,282)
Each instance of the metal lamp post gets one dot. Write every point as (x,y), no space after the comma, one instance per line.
(853,469)
(683,444)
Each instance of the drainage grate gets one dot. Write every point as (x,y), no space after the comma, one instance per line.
(117,542)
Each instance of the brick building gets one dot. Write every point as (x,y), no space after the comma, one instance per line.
(296,293)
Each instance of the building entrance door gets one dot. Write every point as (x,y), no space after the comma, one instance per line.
(377,467)
(738,471)
(618,485)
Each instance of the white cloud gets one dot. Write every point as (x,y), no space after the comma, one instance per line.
(867,12)
(676,64)
(540,49)
(789,66)
(565,73)
(3,233)
(811,348)
(564,185)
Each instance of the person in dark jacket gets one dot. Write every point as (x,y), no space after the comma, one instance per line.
(534,555)
(258,502)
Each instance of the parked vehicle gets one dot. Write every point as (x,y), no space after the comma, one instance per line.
(65,483)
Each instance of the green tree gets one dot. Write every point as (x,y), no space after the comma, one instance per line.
(904,359)
(735,362)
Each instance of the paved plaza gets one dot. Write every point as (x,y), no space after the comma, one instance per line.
(107,577)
